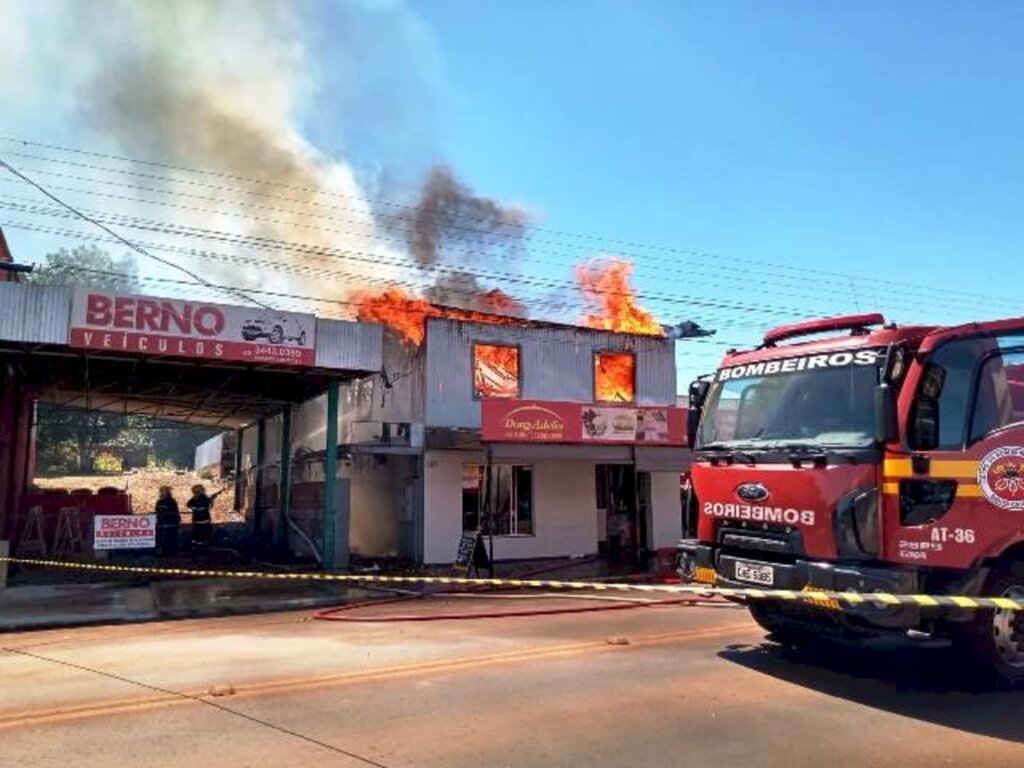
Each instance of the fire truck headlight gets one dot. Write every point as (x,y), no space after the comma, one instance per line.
(856,524)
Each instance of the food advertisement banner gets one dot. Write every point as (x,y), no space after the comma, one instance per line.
(540,421)
(178,328)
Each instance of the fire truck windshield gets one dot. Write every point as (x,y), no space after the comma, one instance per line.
(830,407)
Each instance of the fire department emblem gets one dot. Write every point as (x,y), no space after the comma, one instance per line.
(1001,477)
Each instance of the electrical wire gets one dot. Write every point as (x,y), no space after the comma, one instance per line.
(902,287)
(670,274)
(377,259)
(844,283)
(79,214)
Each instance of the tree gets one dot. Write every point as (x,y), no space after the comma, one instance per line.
(89,266)
(68,437)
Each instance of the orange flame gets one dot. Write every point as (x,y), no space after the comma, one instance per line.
(408,314)
(615,377)
(496,370)
(607,293)
(399,310)
(611,301)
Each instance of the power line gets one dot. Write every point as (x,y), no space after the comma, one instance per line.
(671,274)
(712,318)
(842,277)
(109,231)
(376,259)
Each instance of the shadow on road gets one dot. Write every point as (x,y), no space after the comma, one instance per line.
(929,684)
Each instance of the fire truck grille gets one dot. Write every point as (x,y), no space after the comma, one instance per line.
(772,545)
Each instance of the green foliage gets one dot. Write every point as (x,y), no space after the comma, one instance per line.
(78,431)
(56,457)
(87,265)
(106,462)
(71,440)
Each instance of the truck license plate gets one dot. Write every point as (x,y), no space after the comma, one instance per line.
(755,574)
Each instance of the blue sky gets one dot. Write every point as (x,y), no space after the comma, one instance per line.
(876,138)
(765,161)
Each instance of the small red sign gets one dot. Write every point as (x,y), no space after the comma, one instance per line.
(544,421)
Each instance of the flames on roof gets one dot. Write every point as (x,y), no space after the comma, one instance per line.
(608,298)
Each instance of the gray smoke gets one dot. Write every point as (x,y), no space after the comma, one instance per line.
(223,86)
(449,216)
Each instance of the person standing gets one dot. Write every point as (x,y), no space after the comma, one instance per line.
(202,521)
(168,523)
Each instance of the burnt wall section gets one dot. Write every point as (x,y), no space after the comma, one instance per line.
(556,363)
(382,409)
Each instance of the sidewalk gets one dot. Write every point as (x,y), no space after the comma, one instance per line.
(68,605)
(93,598)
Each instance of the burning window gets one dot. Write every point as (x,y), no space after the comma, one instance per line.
(495,371)
(614,377)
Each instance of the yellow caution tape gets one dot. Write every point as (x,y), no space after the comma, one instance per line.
(817,597)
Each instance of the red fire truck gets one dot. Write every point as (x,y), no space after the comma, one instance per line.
(880,458)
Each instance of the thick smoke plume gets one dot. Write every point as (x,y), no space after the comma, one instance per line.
(224,86)
(449,216)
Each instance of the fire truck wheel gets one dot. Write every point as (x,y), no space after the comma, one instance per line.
(996,638)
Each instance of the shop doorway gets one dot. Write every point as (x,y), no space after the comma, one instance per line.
(624,506)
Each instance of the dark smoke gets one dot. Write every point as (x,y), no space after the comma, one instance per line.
(449,216)
(463,290)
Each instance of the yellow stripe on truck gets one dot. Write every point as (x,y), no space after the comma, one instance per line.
(951,469)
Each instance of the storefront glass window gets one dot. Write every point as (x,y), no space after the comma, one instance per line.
(510,495)
(472,496)
(495,371)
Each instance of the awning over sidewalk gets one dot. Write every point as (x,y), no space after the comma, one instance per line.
(647,459)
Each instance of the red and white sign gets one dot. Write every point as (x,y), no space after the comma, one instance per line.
(174,327)
(542,421)
(124,532)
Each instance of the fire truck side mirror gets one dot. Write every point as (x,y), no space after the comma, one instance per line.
(886,425)
(698,394)
(692,425)
(924,424)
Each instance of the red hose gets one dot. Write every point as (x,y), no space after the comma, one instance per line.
(331,613)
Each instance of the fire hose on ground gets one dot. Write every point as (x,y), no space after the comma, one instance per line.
(841,600)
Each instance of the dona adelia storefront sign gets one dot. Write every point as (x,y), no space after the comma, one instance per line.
(179,328)
(542,421)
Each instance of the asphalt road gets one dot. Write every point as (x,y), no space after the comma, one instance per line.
(678,685)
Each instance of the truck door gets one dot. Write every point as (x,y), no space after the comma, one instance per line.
(957,495)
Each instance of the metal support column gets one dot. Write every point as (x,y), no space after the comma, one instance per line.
(285,482)
(239,483)
(257,479)
(336,523)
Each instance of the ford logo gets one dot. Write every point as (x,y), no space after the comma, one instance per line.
(752,492)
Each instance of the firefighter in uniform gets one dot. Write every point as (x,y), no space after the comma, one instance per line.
(202,522)
(168,523)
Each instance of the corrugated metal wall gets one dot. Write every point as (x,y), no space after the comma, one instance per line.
(36,314)
(348,346)
(556,364)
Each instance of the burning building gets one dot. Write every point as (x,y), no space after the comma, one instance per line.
(556,439)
